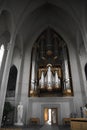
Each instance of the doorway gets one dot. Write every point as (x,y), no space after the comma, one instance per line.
(50,116)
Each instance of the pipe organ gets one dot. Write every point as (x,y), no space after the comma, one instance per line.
(50,78)
(50,68)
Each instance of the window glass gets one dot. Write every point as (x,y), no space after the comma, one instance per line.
(86,71)
(1,54)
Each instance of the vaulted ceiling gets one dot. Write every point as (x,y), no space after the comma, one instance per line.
(31,17)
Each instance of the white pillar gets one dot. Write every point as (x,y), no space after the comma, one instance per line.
(19,81)
(5,77)
(25,83)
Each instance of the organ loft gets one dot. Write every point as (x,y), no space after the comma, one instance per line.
(52,74)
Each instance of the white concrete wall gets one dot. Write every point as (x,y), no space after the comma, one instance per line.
(76,80)
(16,58)
(33,109)
(38,105)
(83,61)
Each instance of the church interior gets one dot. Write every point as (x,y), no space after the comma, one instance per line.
(43,62)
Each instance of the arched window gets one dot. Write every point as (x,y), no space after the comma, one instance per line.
(50,67)
(86,71)
(1,54)
(12,82)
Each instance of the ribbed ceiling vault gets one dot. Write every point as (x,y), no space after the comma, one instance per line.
(35,15)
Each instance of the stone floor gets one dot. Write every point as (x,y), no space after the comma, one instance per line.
(48,127)
(38,127)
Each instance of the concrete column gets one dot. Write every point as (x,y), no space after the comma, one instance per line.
(18,85)
(19,81)
(25,82)
(5,77)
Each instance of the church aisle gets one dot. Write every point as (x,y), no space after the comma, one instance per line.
(38,127)
(55,127)
(49,127)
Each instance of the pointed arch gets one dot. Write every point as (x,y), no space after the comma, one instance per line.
(50,68)
(11,86)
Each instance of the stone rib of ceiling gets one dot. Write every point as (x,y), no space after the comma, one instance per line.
(49,14)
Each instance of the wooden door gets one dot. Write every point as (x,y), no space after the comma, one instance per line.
(46,114)
(54,114)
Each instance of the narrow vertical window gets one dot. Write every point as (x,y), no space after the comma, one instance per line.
(11,86)
(1,54)
(86,71)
